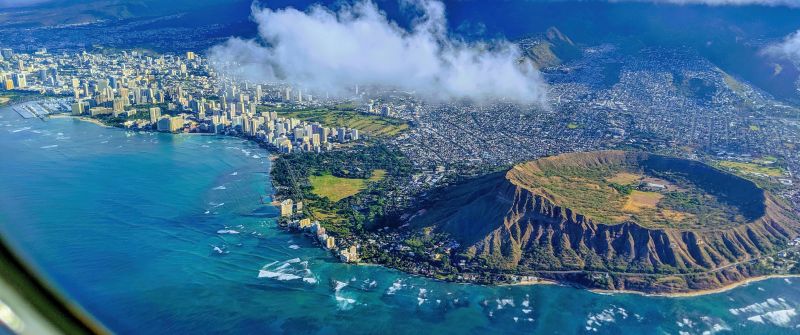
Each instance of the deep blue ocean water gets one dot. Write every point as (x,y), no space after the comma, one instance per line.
(167,234)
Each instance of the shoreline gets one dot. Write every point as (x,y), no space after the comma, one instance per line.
(79,118)
(697,293)
(539,281)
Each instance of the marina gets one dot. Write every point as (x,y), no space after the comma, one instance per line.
(41,108)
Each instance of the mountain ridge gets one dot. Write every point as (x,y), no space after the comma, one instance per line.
(508,226)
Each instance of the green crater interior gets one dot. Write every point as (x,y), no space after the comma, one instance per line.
(613,187)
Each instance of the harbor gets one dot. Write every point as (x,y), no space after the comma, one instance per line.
(41,108)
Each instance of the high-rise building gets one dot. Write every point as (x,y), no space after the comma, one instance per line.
(287,207)
(155,114)
(118,106)
(169,124)
(19,80)
(77,108)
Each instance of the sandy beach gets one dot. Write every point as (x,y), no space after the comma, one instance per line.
(696,293)
(81,118)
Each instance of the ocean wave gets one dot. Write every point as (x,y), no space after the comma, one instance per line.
(227,231)
(774,311)
(219,250)
(20,129)
(369,284)
(221,187)
(49,146)
(502,303)
(338,285)
(396,286)
(760,307)
(608,315)
(342,301)
(780,318)
(422,296)
(289,270)
(277,275)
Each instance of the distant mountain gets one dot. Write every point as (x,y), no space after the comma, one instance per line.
(550,49)
(75,12)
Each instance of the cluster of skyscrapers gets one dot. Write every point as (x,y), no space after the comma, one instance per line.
(173,94)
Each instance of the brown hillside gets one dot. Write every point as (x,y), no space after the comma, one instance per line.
(514,222)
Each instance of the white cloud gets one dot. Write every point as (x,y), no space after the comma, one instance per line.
(328,51)
(790,3)
(789,48)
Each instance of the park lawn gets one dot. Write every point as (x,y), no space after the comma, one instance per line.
(751,168)
(337,188)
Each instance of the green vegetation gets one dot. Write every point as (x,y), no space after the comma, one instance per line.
(345,190)
(754,168)
(345,116)
(622,189)
(617,189)
(11,97)
(336,188)
(733,84)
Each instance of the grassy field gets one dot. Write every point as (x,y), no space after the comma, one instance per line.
(752,168)
(336,188)
(611,194)
(625,178)
(639,201)
(369,124)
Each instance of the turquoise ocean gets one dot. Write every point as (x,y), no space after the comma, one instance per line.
(174,234)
